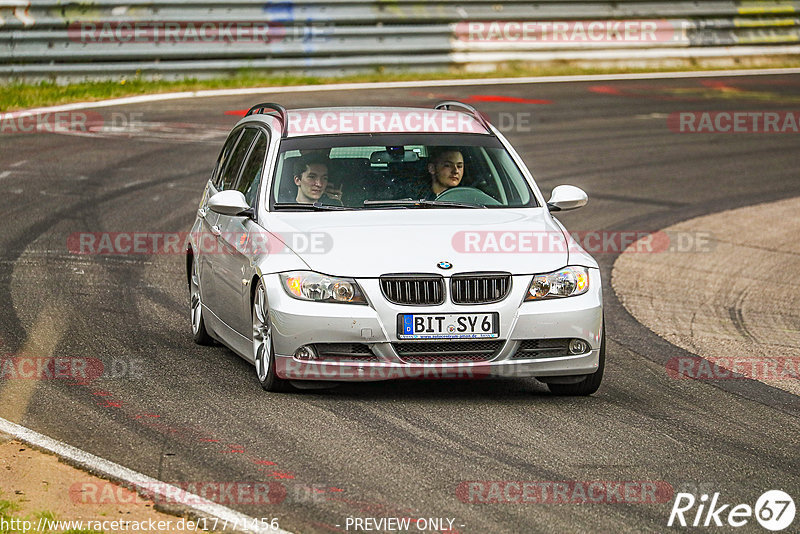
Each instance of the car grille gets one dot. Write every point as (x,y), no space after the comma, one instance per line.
(448,352)
(542,348)
(345,351)
(413,290)
(479,288)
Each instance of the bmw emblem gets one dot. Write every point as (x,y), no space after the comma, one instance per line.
(444,265)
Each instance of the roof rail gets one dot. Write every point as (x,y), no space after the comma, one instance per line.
(474,112)
(282,114)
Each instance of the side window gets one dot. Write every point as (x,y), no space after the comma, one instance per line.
(515,191)
(283,188)
(223,158)
(251,176)
(236,158)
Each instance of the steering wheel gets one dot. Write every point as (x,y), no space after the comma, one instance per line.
(468,195)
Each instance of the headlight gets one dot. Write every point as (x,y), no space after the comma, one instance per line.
(307,285)
(567,282)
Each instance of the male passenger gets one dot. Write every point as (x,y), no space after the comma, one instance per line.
(311,178)
(446,169)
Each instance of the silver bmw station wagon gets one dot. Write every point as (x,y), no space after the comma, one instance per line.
(380,243)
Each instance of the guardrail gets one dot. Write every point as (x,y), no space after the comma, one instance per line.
(200,38)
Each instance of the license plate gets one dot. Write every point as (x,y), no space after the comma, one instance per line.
(448,325)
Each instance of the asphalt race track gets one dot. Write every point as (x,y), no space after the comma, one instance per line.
(184,413)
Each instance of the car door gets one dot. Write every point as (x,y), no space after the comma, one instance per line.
(234,266)
(220,282)
(205,240)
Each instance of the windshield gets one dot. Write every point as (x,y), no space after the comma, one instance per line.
(397,171)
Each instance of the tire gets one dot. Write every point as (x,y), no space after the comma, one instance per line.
(263,350)
(588,385)
(199,332)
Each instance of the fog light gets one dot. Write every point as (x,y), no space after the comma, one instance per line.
(306,352)
(578,346)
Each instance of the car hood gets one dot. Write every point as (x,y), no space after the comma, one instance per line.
(367,244)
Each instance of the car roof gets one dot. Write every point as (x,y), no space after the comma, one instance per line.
(372,119)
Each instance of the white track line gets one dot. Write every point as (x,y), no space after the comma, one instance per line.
(143,483)
(395,85)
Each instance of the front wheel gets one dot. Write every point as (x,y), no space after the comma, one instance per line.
(588,385)
(263,351)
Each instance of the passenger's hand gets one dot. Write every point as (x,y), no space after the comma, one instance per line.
(334,191)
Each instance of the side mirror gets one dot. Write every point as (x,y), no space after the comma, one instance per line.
(230,203)
(567,197)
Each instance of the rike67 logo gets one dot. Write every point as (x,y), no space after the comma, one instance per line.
(774,510)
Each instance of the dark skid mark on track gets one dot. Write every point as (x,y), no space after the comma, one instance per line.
(735,313)
(11,325)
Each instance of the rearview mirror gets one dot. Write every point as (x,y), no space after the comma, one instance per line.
(567,197)
(230,203)
(396,155)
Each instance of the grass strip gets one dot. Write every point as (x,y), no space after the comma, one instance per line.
(20,95)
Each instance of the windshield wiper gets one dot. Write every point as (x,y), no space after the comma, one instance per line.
(407,202)
(316,206)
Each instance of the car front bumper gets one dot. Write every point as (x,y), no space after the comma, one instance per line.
(297,323)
